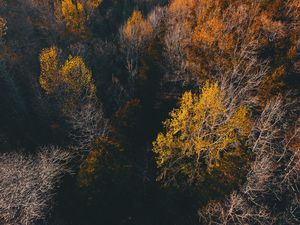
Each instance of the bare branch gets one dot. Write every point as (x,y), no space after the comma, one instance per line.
(27,184)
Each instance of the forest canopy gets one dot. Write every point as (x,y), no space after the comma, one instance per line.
(149,112)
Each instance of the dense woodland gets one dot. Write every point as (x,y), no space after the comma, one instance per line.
(149,112)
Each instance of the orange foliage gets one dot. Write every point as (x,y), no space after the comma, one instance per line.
(230,28)
(137,28)
(209,32)
(182,5)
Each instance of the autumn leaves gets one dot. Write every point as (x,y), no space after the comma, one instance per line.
(198,136)
(226,42)
(71,81)
(76,14)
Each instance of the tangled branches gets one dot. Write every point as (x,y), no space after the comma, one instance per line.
(27,184)
(271,193)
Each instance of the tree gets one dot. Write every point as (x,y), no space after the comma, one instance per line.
(72,86)
(270,194)
(74,15)
(179,23)
(102,164)
(77,14)
(134,36)
(106,182)
(49,78)
(78,81)
(88,123)
(200,134)
(205,39)
(27,184)
(71,82)
(136,28)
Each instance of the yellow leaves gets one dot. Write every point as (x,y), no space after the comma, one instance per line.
(78,81)
(201,127)
(166,141)
(240,121)
(49,78)
(237,128)
(76,75)
(73,78)
(211,98)
(136,27)
(180,116)
(74,15)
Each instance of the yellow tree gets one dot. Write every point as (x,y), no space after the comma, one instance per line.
(74,15)
(49,78)
(72,82)
(200,137)
(77,79)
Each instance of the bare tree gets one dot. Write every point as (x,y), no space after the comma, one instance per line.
(271,193)
(87,122)
(178,37)
(234,210)
(242,82)
(27,184)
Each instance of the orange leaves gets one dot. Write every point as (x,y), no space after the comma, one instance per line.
(266,29)
(182,14)
(134,24)
(292,52)
(3,27)
(278,73)
(215,25)
(137,29)
(93,4)
(182,5)
(208,32)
